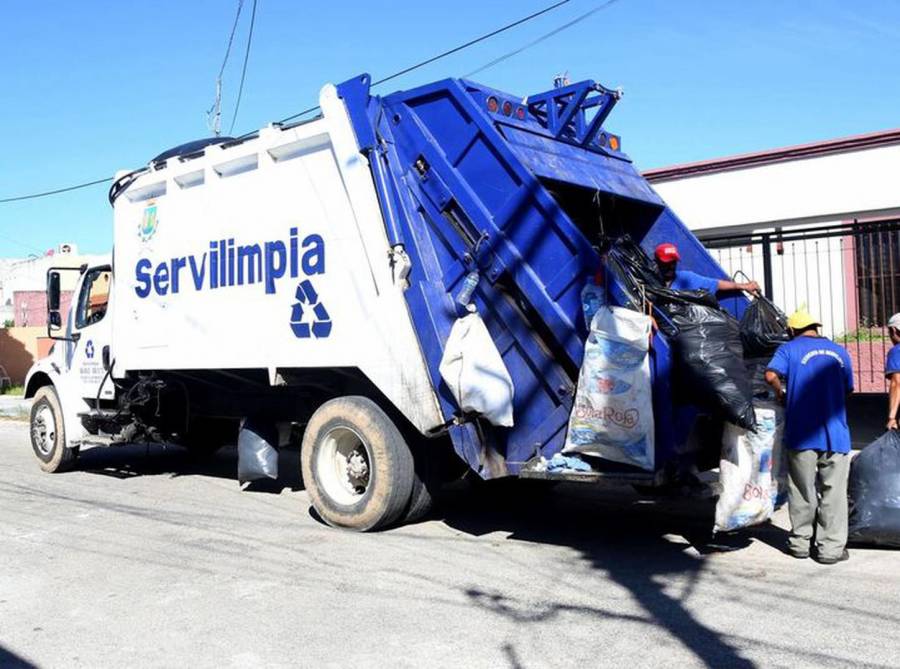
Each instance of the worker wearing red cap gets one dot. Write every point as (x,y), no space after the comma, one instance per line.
(667,258)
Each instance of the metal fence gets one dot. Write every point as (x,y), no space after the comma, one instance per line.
(847,275)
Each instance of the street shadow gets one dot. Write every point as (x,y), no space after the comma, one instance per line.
(635,541)
(134,460)
(10,660)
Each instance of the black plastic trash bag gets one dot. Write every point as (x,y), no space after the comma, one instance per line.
(710,364)
(706,340)
(763,328)
(639,279)
(635,272)
(756,373)
(875,493)
(257,455)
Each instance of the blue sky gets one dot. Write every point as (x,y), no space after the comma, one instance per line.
(96,86)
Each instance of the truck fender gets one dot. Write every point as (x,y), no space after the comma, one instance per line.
(46,373)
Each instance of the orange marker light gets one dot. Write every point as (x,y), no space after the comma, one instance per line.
(614,142)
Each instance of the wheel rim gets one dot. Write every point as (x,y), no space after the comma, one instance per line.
(343,465)
(43,430)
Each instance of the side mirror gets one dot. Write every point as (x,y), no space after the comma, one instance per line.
(53,292)
(54,318)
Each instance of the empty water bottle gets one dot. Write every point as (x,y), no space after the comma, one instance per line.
(468,288)
(593,296)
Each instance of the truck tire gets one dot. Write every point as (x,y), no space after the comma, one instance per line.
(421,502)
(430,474)
(48,436)
(357,468)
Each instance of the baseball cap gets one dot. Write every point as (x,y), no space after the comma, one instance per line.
(894,321)
(802,319)
(667,252)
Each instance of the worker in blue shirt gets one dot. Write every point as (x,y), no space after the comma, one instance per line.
(892,371)
(667,258)
(819,377)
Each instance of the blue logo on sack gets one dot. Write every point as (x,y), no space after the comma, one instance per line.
(319,326)
(619,354)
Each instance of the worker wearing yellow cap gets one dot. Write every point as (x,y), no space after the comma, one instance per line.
(819,376)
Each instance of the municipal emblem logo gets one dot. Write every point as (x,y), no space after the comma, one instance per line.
(89,350)
(149,222)
(309,318)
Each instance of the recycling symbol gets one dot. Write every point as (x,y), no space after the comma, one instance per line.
(308,301)
(89,350)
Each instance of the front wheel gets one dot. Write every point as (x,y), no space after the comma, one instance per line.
(48,436)
(357,468)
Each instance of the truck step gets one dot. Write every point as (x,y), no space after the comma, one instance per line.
(95,414)
(631,478)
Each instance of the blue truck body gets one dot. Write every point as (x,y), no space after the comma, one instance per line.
(471,178)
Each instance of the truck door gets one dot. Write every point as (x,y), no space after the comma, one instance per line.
(89,355)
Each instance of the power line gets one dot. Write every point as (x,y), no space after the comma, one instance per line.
(24,245)
(473,42)
(542,38)
(32,196)
(237,105)
(234,25)
(406,70)
(217,105)
(449,52)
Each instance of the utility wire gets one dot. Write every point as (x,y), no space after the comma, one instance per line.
(55,191)
(216,110)
(18,242)
(234,26)
(449,52)
(542,38)
(407,70)
(473,42)
(237,105)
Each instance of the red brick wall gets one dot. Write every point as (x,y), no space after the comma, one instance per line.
(31,307)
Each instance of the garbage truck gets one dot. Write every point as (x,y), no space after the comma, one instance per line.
(303,282)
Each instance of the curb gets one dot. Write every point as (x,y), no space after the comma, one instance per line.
(15,408)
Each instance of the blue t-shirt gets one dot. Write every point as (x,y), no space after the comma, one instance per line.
(892,364)
(819,377)
(687,280)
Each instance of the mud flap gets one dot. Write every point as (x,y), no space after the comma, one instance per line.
(257,455)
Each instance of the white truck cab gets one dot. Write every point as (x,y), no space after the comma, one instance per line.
(74,376)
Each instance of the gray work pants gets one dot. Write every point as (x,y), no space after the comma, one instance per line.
(818,495)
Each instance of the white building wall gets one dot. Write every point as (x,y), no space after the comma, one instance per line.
(825,188)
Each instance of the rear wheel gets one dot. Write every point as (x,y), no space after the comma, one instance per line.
(48,437)
(357,468)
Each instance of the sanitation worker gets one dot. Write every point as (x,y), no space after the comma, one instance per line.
(819,377)
(892,371)
(667,258)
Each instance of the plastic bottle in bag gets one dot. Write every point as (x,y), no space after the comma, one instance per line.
(593,296)
(468,288)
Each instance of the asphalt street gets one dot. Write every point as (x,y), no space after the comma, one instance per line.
(145,557)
